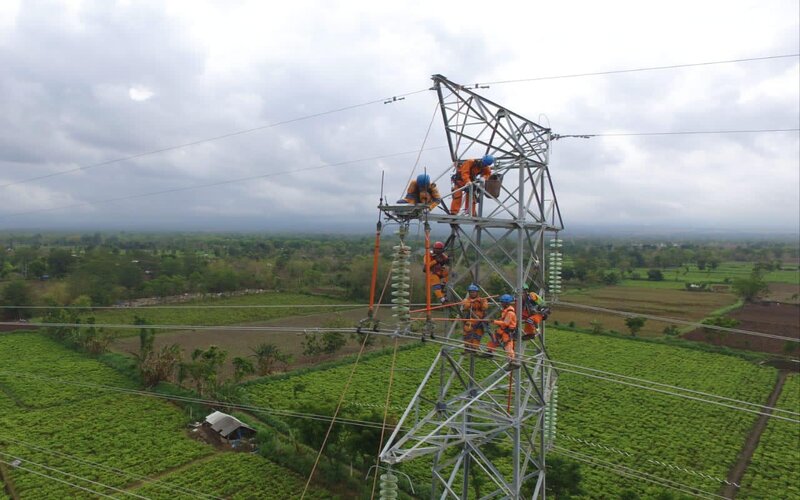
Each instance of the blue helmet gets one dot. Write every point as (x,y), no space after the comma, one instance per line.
(423,181)
(506,299)
(487,160)
(473,288)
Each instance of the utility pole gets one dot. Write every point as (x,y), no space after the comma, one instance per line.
(482,423)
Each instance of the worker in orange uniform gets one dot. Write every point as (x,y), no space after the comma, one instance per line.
(438,263)
(422,191)
(506,331)
(533,313)
(473,308)
(465,175)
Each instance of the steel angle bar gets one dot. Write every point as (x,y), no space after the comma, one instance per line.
(408,453)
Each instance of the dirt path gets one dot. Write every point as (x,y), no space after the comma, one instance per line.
(163,473)
(751,443)
(5,478)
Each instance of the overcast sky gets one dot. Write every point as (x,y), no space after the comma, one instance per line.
(84,82)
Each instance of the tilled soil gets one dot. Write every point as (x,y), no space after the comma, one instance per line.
(774,318)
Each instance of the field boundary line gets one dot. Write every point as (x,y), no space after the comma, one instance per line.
(159,475)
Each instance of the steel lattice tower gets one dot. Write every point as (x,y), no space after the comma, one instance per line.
(484,428)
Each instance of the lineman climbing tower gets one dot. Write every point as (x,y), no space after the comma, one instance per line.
(483,429)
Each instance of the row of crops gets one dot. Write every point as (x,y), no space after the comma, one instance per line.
(775,466)
(102,440)
(650,432)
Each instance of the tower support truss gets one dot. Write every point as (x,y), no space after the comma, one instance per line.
(480,424)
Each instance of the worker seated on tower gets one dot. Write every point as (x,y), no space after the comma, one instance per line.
(422,192)
(466,175)
(473,311)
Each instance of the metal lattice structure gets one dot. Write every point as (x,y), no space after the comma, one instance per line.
(485,429)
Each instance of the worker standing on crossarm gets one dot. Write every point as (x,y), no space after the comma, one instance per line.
(506,331)
(422,192)
(438,264)
(534,311)
(465,175)
(473,308)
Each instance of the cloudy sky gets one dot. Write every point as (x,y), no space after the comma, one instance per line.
(87,82)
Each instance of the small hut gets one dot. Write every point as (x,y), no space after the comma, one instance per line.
(228,427)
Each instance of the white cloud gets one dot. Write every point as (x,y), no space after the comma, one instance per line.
(140,93)
(72,98)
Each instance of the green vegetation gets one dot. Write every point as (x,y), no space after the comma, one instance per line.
(235,476)
(70,428)
(652,427)
(775,466)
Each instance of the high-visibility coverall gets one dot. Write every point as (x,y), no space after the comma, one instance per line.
(439,266)
(504,335)
(429,196)
(471,309)
(531,314)
(466,173)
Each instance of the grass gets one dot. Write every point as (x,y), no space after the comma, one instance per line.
(655,429)
(220,316)
(64,427)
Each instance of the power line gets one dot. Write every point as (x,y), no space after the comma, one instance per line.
(208,139)
(213,184)
(678,321)
(145,479)
(20,467)
(189,306)
(635,70)
(565,367)
(629,454)
(568,368)
(635,474)
(69,474)
(685,132)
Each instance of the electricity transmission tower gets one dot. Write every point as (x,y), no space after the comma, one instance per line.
(483,429)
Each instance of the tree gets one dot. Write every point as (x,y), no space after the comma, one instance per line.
(635,324)
(750,289)
(267,357)
(563,478)
(203,369)
(655,275)
(154,366)
(241,368)
(59,262)
(17,293)
(671,330)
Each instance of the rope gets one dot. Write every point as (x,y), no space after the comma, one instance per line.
(385,416)
(335,414)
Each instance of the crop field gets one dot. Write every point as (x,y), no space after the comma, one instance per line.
(220,316)
(235,476)
(726,270)
(647,429)
(679,304)
(64,431)
(241,343)
(776,462)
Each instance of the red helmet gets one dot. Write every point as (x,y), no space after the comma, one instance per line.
(438,246)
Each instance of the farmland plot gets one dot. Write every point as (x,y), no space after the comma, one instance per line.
(650,432)
(236,476)
(776,463)
(84,434)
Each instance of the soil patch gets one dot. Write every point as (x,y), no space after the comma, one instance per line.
(767,317)
(678,304)
(241,343)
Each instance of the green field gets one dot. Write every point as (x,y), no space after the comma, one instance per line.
(726,270)
(87,434)
(654,429)
(237,476)
(220,316)
(776,462)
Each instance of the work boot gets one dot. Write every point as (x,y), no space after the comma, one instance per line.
(529,336)
(512,365)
